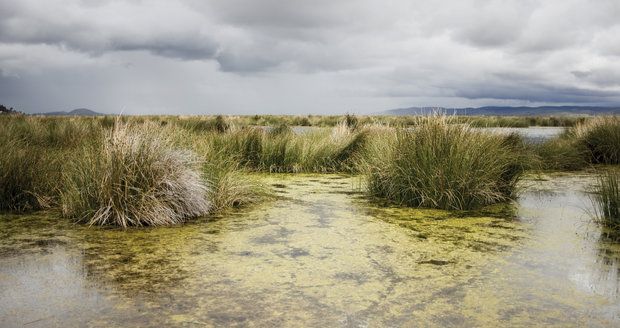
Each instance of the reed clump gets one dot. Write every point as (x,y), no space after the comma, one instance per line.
(134,176)
(600,137)
(228,184)
(20,176)
(33,152)
(443,165)
(593,141)
(606,198)
(563,153)
(282,150)
(230,187)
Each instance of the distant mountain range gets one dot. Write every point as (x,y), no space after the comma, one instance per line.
(506,111)
(75,112)
(469,111)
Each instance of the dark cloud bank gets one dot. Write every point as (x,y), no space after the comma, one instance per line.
(268,56)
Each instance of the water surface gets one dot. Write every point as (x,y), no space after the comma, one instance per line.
(533,134)
(321,255)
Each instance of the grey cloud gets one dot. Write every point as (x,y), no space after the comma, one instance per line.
(238,62)
(282,55)
(600,77)
(493,24)
(189,50)
(108,26)
(280,14)
(535,92)
(502,86)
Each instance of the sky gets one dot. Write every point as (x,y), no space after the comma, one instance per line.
(306,57)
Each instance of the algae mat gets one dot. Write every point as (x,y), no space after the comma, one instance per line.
(321,255)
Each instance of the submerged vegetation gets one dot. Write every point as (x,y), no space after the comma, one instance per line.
(163,170)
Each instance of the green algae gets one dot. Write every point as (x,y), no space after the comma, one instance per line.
(321,255)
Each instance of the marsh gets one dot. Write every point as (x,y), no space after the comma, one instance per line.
(322,255)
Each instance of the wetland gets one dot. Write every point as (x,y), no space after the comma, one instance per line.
(321,255)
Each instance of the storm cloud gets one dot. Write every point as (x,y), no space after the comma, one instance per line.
(300,57)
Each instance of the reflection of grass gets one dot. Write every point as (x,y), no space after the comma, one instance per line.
(607,199)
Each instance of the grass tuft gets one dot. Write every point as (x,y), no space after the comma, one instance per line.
(607,199)
(32,153)
(443,165)
(134,177)
(601,138)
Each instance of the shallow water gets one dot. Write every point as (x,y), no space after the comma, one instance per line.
(321,255)
(533,134)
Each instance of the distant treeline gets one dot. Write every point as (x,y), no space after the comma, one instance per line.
(8,110)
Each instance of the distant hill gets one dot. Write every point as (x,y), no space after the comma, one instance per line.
(506,111)
(75,112)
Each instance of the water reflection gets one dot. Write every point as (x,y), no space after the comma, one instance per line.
(534,134)
(605,277)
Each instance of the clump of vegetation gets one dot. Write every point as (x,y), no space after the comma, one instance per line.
(593,141)
(282,150)
(220,125)
(301,121)
(229,187)
(217,124)
(20,176)
(133,177)
(351,121)
(281,129)
(606,198)
(601,138)
(562,153)
(32,154)
(443,165)
(9,110)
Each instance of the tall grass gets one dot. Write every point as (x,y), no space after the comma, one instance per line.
(32,154)
(443,165)
(606,199)
(163,170)
(593,141)
(134,177)
(601,137)
(361,120)
(281,150)
(229,186)
(563,153)
(20,176)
